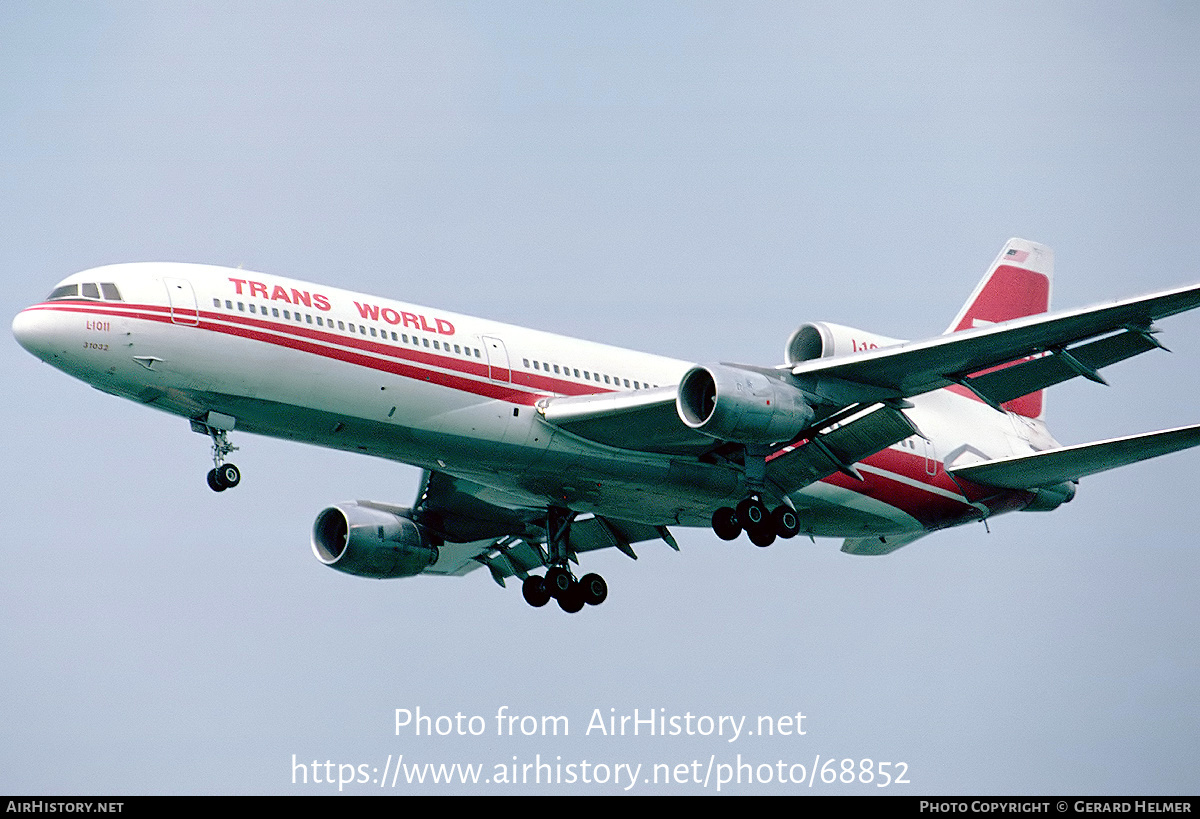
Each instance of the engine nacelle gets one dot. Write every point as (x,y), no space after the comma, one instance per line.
(820,339)
(369,542)
(741,405)
(1049,498)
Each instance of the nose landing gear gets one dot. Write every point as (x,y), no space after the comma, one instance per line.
(223,475)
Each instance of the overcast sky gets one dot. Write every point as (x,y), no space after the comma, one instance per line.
(692,179)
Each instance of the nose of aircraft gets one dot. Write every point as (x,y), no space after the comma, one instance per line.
(32,332)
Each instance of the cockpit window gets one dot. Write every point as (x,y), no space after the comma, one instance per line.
(87,290)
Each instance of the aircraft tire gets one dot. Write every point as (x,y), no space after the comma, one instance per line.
(534,591)
(594,589)
(228,476)
(558,582)
(571,601)
(752,513)
(214,483)
(762,536)
(787,524)
(725,523)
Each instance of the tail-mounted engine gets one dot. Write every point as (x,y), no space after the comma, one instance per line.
(733,404)
(820,339)
(370,542)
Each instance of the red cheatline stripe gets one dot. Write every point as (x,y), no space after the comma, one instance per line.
(316,342)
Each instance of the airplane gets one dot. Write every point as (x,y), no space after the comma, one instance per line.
(538,448)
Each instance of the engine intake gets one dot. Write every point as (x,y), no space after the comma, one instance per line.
(733,404)
(821,339)
(369,542)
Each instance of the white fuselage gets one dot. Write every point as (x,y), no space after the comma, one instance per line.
(458,394)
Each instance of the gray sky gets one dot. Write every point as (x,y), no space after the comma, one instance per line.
(689,179)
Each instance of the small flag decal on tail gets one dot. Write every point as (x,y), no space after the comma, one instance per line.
(1014,255)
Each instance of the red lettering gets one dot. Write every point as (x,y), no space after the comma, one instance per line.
(257,289)
(426,327)
(390,315)
(444,327)
(279,294)
(238,284)
(321,302)
(368,311)
(301,297)
(410,320)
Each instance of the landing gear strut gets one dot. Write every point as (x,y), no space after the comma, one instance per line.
(761,525)
(223,475)
(559,583)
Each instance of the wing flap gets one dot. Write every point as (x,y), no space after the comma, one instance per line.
(839,448)
(1073,462)
(1031,375)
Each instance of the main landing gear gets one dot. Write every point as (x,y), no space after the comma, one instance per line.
(559,583)
(760,524)
(570,593)
(223,475)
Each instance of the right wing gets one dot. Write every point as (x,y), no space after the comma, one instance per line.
(1074,342)
(998,363)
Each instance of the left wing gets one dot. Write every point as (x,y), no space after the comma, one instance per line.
(479,528)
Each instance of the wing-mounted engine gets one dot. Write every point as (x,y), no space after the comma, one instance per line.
(821,339)
(735,404)
(370,542)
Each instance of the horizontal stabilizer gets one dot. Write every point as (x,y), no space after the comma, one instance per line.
(1073,462)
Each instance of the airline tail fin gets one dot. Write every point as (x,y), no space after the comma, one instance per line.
(1017,284)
